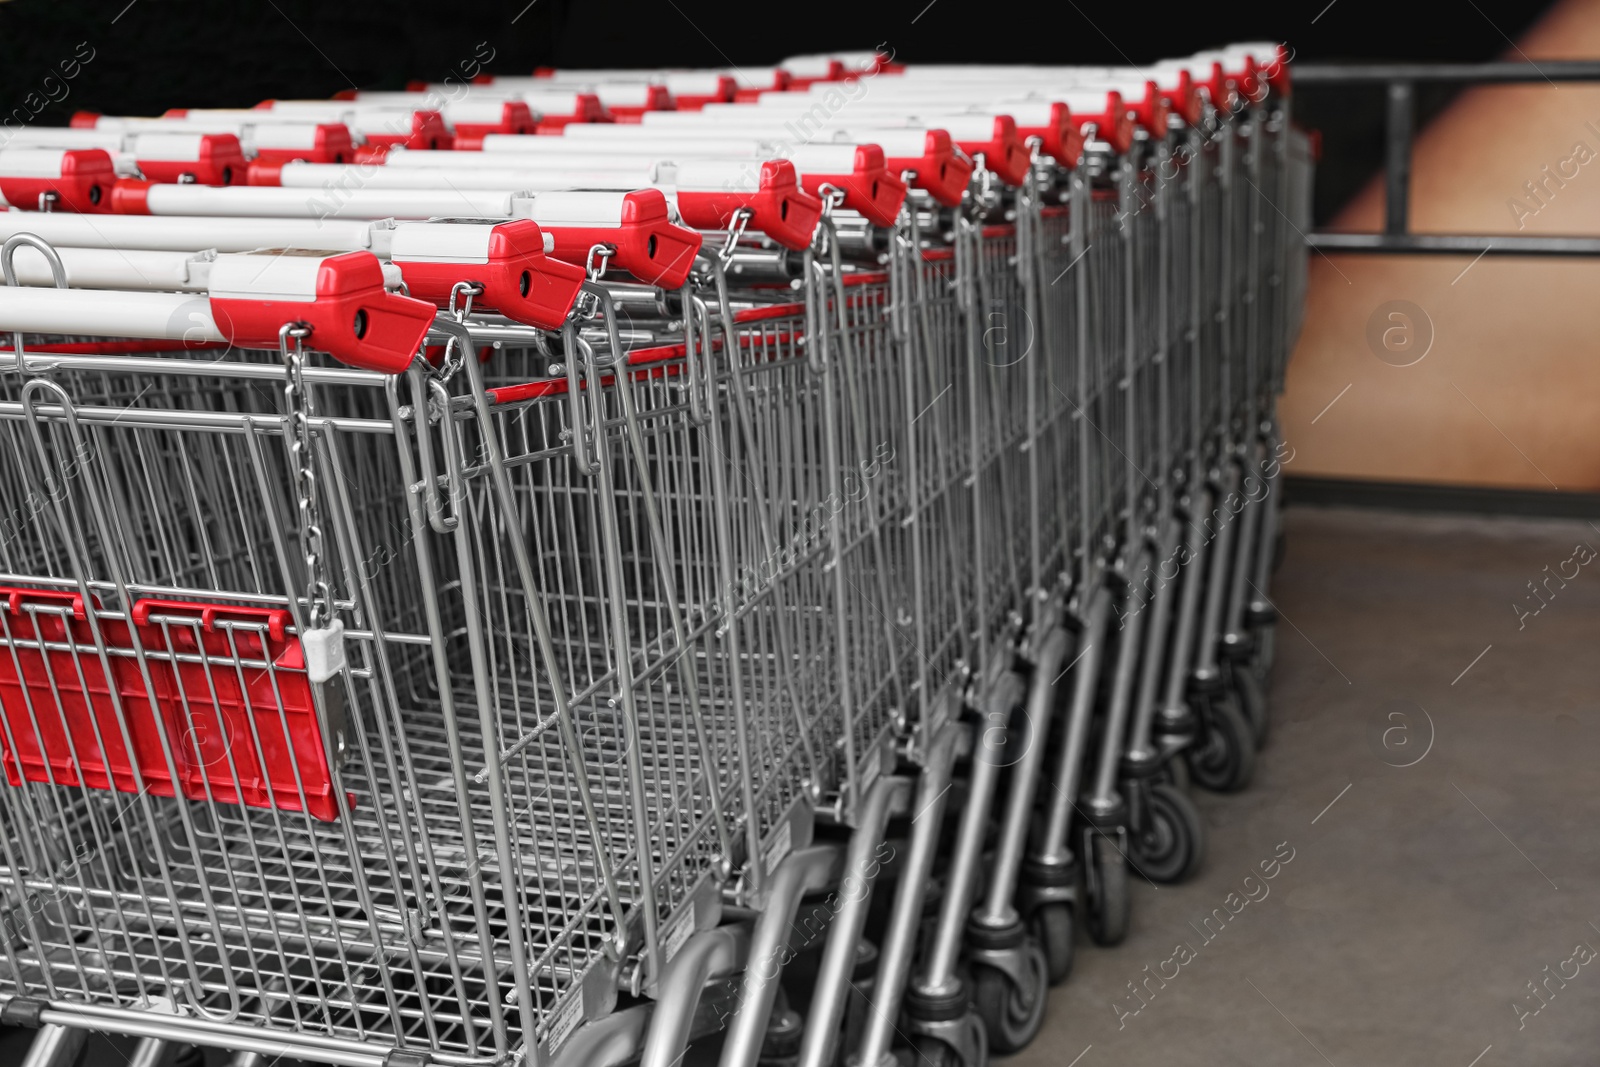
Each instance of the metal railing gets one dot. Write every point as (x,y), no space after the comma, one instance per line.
(1401,80)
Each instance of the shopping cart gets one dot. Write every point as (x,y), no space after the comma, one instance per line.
(643,568)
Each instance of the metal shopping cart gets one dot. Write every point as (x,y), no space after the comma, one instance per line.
(669,570)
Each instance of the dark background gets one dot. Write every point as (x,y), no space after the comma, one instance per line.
(153,54)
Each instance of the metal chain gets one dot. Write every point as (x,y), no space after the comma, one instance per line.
(299,409)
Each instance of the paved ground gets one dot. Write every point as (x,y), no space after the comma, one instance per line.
(1421,900)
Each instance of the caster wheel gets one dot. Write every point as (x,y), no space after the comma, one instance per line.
(1011,1014)
(1052,925)
(1223,758)
(1108,899)
(1173,841)
(929,1051)
(1252,701)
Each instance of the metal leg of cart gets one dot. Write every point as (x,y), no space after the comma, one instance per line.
(832,988)
(1011,968)
(899,941)
(942,1024)
(807,870)
(55,1046)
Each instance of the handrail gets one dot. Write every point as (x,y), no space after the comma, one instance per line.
(1400,80)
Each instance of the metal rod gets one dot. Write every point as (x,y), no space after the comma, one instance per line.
(1397,157)
(1320,74)
(1455,244)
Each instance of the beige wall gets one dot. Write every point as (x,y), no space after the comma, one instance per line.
(1509,393)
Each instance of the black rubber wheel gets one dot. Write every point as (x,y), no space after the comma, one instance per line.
(929,1051)
(1108,899)
(1053,927)
(1223,758)
(1172,843)
(1252,698)
(1012,1014)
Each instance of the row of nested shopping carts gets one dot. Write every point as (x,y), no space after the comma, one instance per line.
(501,572)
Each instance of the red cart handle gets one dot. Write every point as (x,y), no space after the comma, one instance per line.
(1052,123)
(710,194)
(1182,96)
(506,259)
(341,297)
(1107,112)
(324,142)
(995,137)
(479,118)
(76,179)
(207,158)
(636,227)
(1216,84)
(937,164)
(1151,110)
(859,171)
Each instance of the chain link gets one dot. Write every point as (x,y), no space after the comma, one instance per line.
(299,409)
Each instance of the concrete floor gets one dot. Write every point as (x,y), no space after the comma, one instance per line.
(1420,899)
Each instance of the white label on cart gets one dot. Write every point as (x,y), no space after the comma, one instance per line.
(566,1021)
(782,841)
(677,933)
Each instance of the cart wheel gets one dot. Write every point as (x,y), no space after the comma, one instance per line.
(1012,1014)
(1173,842)
(1253,702)
(1223,758)
(927,1051)
(1052,925)
(1108,898)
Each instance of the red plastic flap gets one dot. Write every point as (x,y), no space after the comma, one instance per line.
(781,209)
(226,713)
(220,161)
(352,317)
(648,245)
(331,143)
(211,695)
(80,182)
(870,188)
(518,280)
